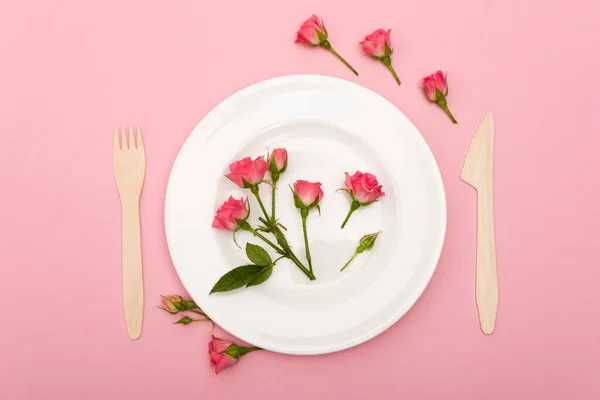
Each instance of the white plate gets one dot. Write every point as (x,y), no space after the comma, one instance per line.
(329,126)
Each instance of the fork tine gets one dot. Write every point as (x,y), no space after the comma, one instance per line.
(140,141)
(124,138)
(116,146)
(131,138)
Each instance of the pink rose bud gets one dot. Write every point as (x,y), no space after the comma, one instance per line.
(247,173)
(231,214)
(363,189)
(278,163)
(307,195)
(313,33)
(379,46)
(435,87)
(224,354)
(172,304)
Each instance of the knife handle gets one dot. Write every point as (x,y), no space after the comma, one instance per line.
(487,277)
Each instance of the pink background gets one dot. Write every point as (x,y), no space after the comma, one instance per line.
(71,70)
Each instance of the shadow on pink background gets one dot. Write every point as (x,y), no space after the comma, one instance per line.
(71,70)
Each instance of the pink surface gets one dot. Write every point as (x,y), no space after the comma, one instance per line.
(71,70)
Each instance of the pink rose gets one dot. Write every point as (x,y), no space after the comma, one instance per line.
(378,44)
(246,173)
(307,194)
(230,213)
(363,188)
(435,87)
(435,81)
(218,357)
(312,32)
(223,354)
(278,161)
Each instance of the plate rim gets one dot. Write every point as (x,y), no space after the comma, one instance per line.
(440,188)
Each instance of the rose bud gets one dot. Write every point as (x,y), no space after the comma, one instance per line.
(379,46)
(435,87)
(172,304)
(364,189)
(366,243)
(231,214)
(313,33)
(247,173)
(278,163)
(186,320)
(224,354)
(307,195)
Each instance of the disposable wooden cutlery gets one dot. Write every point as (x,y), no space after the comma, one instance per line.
(129,165)
(477,171)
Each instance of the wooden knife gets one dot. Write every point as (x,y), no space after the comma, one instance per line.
(477,171)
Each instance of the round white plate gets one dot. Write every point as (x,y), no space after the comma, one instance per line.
(329,126)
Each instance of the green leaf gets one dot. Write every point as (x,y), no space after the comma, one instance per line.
(258,255)
(236,278)
(261,277)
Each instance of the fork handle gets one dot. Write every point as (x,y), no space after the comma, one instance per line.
(487,278)
(133,288)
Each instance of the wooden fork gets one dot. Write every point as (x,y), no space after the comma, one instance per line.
(129,165)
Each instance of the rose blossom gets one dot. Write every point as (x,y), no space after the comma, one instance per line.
(435,87)
(363,188)
(312,32)
(218,357)
(229,213)
(223,354)
(307,194)
(246,172)
(379,46)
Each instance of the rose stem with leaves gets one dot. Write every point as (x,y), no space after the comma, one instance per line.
(246,226)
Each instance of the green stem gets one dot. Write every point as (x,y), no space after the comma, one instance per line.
(442,103)
(246,350)
(277,259)
(327,45)
(304,214)
(273,201)
(264,239)
(388,62)
(349,261)
(246,226)
(198,312)
(255,192)
(355,205)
